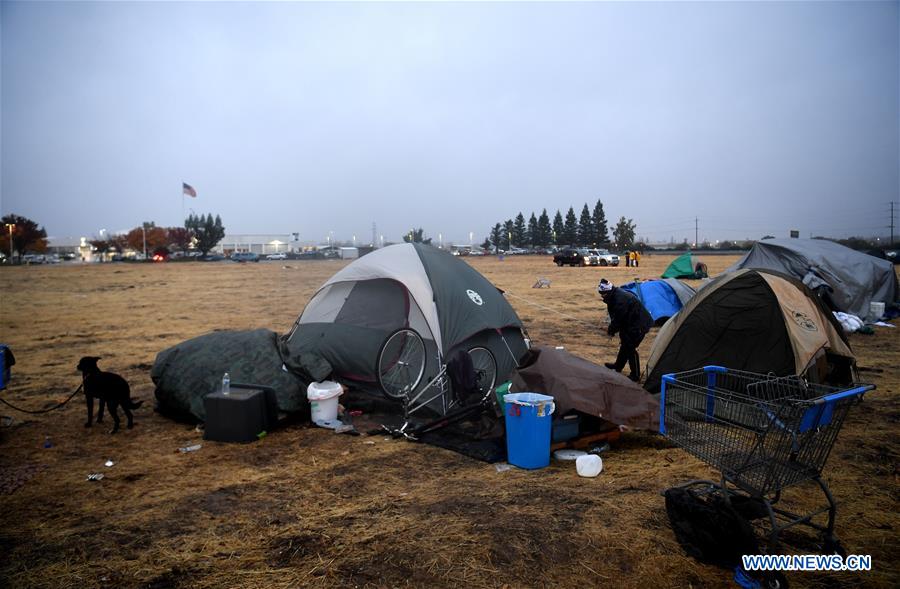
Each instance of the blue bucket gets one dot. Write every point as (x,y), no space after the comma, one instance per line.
(528,420)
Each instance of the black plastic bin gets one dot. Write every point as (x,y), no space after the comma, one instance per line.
(241,415)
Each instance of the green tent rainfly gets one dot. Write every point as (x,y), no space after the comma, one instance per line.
(681,267)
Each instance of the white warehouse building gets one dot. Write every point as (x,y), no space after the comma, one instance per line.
(262,244)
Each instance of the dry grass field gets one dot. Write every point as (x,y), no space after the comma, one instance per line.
(305,506)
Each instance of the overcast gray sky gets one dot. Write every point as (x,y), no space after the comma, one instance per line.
(755,117)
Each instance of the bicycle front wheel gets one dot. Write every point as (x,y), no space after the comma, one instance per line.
(401,363)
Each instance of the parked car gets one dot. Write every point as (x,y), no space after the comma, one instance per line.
(603,258)
(211,258)
(572,257)
(244,257)
(277,256)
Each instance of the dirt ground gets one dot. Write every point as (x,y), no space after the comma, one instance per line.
(305,506)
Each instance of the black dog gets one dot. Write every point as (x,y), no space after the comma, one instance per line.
(111,389)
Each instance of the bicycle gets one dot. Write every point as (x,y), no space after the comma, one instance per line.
(400,369)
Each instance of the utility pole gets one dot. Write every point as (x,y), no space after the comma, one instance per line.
(892,224)
(10,226)
(695,232)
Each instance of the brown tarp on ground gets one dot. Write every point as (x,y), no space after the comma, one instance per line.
(578,384)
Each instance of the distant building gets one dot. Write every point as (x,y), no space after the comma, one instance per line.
(262,244)
(69,245)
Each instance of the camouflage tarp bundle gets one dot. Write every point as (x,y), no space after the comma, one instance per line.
(184,374)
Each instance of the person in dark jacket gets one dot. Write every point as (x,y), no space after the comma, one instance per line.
(631,321)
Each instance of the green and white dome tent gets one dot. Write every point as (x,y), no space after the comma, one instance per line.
(409,286)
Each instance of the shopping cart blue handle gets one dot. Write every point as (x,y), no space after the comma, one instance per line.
(820,413)
(719,369)
(844,394)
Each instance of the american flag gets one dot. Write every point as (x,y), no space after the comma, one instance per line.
(189,190)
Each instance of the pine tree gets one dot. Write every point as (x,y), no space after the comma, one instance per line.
(207,231)
(585,228)
(601,231)
(533,236)
(496,236)
(544,230)
(507,234)
(559,233)
(570,228)
(518,231)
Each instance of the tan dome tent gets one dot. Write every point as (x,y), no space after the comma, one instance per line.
(754,320)
(441,303)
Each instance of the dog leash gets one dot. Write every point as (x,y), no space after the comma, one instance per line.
(57,406)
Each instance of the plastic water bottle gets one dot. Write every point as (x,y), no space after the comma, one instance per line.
(47,442)
(226,384)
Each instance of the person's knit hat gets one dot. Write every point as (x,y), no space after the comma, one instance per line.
(604,286)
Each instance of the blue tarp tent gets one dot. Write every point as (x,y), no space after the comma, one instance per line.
(662,298)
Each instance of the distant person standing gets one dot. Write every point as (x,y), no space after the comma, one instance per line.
(631,321)
(637,258)
(627,259)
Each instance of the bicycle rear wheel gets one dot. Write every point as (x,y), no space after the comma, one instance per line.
(485,365)
(401,363)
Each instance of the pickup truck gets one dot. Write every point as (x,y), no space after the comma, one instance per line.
(572,257)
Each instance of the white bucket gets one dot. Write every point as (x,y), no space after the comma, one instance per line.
(876,310)
(323,400)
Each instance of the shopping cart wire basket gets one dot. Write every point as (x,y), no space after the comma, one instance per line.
(761,432)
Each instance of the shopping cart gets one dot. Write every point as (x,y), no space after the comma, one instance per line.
(763,433)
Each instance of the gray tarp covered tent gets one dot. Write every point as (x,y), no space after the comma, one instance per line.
(853,279)
(411,285)
(185,373)
(578,384)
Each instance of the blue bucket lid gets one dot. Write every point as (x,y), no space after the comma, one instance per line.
(532,399)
